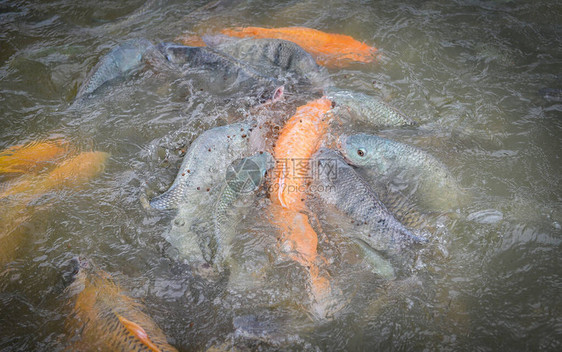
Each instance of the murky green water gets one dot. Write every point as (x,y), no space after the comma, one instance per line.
(468,71)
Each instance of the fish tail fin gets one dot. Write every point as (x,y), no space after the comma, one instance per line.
(137,331)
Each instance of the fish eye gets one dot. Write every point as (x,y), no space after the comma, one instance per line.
(361,152)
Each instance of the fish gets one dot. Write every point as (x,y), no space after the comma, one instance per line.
(298,140)
(243,176)
(204,165)
(340,186)
(273,57)
(71,172)
(437,187)
(330,50)
(104,318)
(32,157)
(221,73)
(366,108)
(121,60)
(16,195)
(196,189)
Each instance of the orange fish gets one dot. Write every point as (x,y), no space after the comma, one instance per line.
(331,50)
(15,195)
(32,156)
(70,173)
(105,319)
(298,140)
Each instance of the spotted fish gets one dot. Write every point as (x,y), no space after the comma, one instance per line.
(204,165)
(242,177)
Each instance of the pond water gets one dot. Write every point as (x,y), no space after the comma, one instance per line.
(469,72)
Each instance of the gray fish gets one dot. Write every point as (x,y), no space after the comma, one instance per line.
(122,59)
(273,57)
(205,163)
(339,185)
(243,176)
(222,73)
(388,158)
(362,107)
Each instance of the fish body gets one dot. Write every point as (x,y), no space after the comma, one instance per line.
(105,318)
(204,165)
(243,176)
(348,192)
(274,57)
(331,50)
(122,59)
(390,158)
(16,195)
(31,157)
(71,172)
(298,140)
(220,72)
(366,108)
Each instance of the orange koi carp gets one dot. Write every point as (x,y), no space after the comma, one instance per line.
(31,156)
(298,140)
(108,320)
(70,173)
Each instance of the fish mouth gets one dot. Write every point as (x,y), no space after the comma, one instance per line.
(276,96)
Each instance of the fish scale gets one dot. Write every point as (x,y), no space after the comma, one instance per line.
(121,59)
(366,108)
(350,193)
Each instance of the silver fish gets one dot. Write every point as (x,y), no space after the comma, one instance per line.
(339,185)
(122,59)
(388,158)
(205,163)
(273,57)
(221,73)
(197,186)
(365,108)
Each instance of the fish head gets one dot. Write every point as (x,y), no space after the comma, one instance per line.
(355,149)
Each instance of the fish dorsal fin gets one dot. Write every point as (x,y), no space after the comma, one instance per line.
(137,331)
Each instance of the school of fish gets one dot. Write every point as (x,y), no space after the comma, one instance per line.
(225,163)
